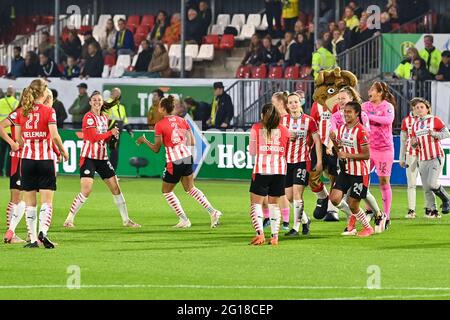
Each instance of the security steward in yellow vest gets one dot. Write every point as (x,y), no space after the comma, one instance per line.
(322,59)
(117,118)
(431,55)
(7,105)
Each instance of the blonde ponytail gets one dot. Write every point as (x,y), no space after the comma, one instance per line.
(35,90)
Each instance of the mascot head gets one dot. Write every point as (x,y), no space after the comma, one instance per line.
(328,84)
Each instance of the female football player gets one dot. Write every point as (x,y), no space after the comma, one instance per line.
(175,134)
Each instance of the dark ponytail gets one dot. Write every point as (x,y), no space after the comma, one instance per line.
(270,118)
(168,104)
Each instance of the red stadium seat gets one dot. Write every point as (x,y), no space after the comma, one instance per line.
(84,29)
(243,72)
(259,72)
(227,42)
(212,39)
(110,60)
(395,26)
(292,72)
(305,72)
(3,71)
(409,28)
(138,37)
(61,67)
(148,20)
(47,20)
(132,29)
(133,20)
(276,72)
(142,29)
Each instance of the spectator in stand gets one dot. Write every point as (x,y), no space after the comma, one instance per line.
(420,72)
(108,38)
(159,28)
(347,34)
(193,28)
(338,43)
(363,33)
(351,20)
(290,14)
(80,106)
(304,52)
(299,27)
(356,8)
(205,16)
(153,115)
(393,14)
(45,45)
(173,32)
(89,39)
(72,47)
(271,54)
(47,67)
(124,39)
(404,69)
(411,9)
(327,37)
(332,26)
(72,70)
(386,25)
(61,114)
(289,48)
(443,73)
(94,63)
(310,36)
(159,65)
(222,109)
(142,62)
(431,54)
(326,14)
(199,111)
(17,64)
(254,55)
(322,59)
(274,10)
(31,69)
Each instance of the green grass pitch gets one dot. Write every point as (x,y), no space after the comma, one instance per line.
(159,262)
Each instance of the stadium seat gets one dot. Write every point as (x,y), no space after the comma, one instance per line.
(276,72)
(173,60)
(217,29)
(259,72)
(148,20)
(106,69)
(409,28)
(212,39)
(124,60)
(223,19)
(188,64)
(191,50)
(138,37)
(133,20)
(143,29)
(395,26)
(305,72)
(47,20)
(175,50)
(254,19)
(85,21)
(110,60)
(206,52)
(84,29)
(238,20)
(243,72)
(3,71)
(264,24)
(247,32)
(116,19)
(117,72)
(227,42)
(292,72)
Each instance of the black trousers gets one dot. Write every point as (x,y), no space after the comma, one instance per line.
(114,154)
(274,9)
(5,159)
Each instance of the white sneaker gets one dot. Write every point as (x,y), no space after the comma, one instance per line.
(349,233)
(131,224)
(183,224)
(380,223)
(69,224)
(16,239)
(215,219)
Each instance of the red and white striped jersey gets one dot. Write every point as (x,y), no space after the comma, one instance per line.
(429,147)
(304,127)
(12,118)
(94,147)
(322,116)
(407,124)
(352,139)
(174,131)
(270,153)
(35,133)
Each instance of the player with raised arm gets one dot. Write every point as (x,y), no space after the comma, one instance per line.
(175,134)
(352,143)
(268,142)
(302,129)
(94,158)
(36,131)
(427,133)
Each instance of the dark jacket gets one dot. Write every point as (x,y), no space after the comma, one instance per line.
(205,18)
(254,58)
(154,31)
(49,70)
(271,56)
(225,110)
(386,27)
(84,48)
(143,60)
(304,55)
(17,68)
(128,40)
(61,113)
(93,66)
(445,71)
(73,72)
(194,30)
(72,48)
(293,55)
(31,70)
(422,74)
(349,38)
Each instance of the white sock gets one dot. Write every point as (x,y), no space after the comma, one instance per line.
(257,216)
(17,216)
(412,197)
(31,218)
(175,204)
(298,214)
(45,218)
(9,212)
(77,203)
(372,202)
(198,195)
(122,206)
(343,206)
(322,194)
(275,219)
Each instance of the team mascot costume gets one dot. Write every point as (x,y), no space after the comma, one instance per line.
(327,86)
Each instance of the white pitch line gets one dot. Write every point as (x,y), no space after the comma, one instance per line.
(392,297)
(187,286)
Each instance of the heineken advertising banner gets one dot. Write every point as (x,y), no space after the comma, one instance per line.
(395,46)
(218,155)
